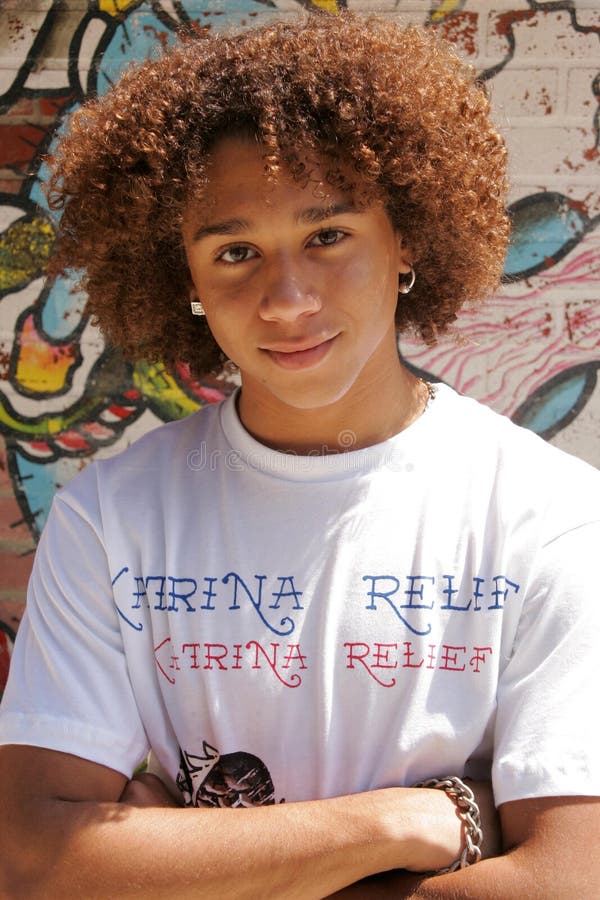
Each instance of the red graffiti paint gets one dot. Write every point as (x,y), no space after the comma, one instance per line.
(505,21)
(5,651)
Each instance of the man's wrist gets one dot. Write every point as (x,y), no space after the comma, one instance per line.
(470,815)
(420,827)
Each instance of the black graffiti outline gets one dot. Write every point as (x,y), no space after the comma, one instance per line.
(183,21)
(567,6)
(590,372)
(8,631)
(112,23)
(17,90)
(92,407)
(28,516)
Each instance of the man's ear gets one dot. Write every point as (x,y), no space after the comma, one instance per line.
(405,255)
(189,285)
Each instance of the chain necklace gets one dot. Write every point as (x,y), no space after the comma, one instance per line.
(431,392)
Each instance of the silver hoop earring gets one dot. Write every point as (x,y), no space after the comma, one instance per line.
(197,308)
(407,286)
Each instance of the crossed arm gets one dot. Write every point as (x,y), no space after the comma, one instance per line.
(549,854)
(63,832)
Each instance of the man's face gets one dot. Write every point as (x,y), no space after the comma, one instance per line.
(299,286)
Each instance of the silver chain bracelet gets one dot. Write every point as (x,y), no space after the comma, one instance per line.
(464,798)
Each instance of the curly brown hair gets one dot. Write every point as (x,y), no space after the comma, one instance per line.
(396,106)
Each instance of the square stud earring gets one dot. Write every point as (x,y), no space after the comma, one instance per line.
(197,308)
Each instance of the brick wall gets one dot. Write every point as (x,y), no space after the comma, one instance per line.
(532,353)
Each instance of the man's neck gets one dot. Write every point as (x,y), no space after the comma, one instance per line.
(367,415)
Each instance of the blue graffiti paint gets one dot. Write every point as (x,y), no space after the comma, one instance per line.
(545,227)
(134,40)
(557,402)
(143,35)
(37,193)
(62,310)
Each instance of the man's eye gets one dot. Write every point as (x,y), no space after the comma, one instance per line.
(327,237)
(237,254)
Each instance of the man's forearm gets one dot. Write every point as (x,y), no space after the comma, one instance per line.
(550,852)
(493,879)
(296,850)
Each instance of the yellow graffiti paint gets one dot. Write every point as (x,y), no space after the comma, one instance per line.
(161,391)
(24,249)
(43,426)
(115,7)
(445,8)
(328,5)
(42,368)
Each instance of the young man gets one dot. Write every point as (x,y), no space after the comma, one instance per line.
(369,582)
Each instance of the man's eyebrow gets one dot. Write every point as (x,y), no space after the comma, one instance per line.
(315,214)
(228,226)
(310,216)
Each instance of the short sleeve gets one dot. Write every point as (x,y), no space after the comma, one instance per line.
(68,686)
(547,726)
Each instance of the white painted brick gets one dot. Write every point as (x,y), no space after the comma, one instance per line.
(19,30)
(525,91)
(55,52)
(589,16)
(554,151)
(580,98)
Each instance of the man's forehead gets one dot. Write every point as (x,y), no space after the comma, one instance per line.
(307,205)
(241,179)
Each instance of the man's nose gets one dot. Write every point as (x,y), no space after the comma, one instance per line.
(288,291)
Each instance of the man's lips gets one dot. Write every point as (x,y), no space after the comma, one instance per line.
(299,355)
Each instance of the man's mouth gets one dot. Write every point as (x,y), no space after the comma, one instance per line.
(299,354)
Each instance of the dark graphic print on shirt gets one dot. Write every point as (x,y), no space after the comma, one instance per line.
(233,780)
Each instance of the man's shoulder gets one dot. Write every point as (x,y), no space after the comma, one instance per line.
(165,453)
(167,438)
(477,426)
(514,467)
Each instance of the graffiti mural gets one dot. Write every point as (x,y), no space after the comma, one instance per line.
(66,398)
(524,355)
(533,352)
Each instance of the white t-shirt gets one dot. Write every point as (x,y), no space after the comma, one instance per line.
(279,627)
